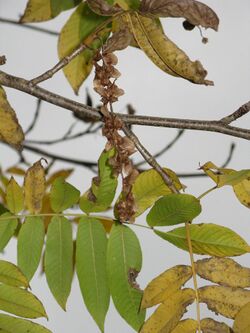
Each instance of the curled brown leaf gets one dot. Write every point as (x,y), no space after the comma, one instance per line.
(194,12)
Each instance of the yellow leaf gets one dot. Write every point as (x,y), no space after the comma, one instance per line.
(226,301)
(14,196)
(64,173)
(168,314)
(164,285)
(224,271)
(10,130)
(242,320)
(80,28)
(16,171)
(163,52)
(242,192)
(46,209)
(186,326)
(149,186)
(43,10)
(209,325)
(34,187)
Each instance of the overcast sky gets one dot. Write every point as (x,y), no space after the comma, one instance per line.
(151,92)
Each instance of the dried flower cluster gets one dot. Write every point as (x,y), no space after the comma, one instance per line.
(104,84)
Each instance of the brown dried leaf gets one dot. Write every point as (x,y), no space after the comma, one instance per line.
(163,52)
(10,130)
(34,187)
(209,325)
(193,11)
(168,314)
(224,271)
(101,7)
(164,285)
(118,41)
(242,320)
(226,301)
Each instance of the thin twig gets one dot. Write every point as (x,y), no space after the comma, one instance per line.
(162,151)
(149,158)
(14,22)
(33,123)
(243,110)
(41,152)
(62,63)
(92,113)
(190,250)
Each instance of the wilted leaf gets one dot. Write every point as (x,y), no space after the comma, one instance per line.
(8,226)
(209,325)
(10,130)
(167,315)
(174,209)
(80,28)
(14,197)
(124,260)
(102,7)
(101,194)
(186,326)
(34,187)
(30,244)
(10,274)
(43,10)
(118,41)
(91,248)
(9,324)
(46,209)
(20,302)
(64,173)
(164,285)
(224,271)
(59,259)
(163,52)
(226,301)
(194,12)
(63,195)
(149,186)
(208,239)
(242,320)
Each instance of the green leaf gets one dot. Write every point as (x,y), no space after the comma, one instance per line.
(91,248)
(149,186)
(174,209)
(124,262)
(208,239)
(3,209)
(101,194)
(30,245)
(63,195)
(20,302)
(59,259)
(43,10)
(9,324)
(78,29)
(8,225)
(14,196)
(10,274)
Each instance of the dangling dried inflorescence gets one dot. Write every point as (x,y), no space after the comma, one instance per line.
(105,85)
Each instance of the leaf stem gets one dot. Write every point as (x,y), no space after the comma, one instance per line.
(208,191)
(194,276)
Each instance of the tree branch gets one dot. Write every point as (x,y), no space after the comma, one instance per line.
(92,113)
(14,22)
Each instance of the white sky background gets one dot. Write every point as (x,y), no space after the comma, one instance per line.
(151,92)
